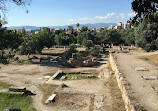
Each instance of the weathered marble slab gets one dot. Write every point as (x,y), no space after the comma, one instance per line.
(141,69)
(146,77)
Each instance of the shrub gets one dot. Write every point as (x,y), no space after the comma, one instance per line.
(3,59)
(95,52)
(79,54)
(73,48)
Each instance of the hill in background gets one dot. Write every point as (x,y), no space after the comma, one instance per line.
(96,25)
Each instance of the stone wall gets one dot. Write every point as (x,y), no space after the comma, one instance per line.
(122,84)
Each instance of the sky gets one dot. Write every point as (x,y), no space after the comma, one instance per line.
(66,12)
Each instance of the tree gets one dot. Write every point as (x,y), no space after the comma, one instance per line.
(70,29)
(77,25)
(130,37)
(87,35)
(95,52)
(45,38)
(31,46)
(87,43)
(123,36)
(73,48)
(3,4)
(84,28)
(146,34)
(2,21)
(9,39)
(109,37)
(58,40)
(23,32)
(143,8)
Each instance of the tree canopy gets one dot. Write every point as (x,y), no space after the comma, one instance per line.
(147,34)
(143,8)
(3,4)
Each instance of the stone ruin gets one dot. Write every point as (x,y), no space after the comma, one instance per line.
(12,109)
(21,89)
(146,77)
(72,60)
(141,69)
(50,99)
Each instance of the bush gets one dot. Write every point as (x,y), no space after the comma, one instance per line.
(4,59)
(95,52)
(87,43)
(79,54)
(73,48)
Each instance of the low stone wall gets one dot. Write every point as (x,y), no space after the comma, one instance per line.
(121,84)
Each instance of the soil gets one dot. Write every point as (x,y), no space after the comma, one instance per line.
(81,95)
(142,93)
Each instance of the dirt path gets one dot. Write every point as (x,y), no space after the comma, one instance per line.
(30,76)
(141,89)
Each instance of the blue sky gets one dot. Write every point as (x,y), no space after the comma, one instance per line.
(65,12)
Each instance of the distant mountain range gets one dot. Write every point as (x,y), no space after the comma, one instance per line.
(96,25)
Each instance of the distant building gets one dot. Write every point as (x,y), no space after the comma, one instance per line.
(52,30)
(37,31)
(121,26)
(111,27)
(57,29)
(127,26)
(18,30)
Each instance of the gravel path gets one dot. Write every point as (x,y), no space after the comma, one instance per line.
(141,89)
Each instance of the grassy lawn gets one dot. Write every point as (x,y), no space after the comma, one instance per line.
(8,100)
(4,85)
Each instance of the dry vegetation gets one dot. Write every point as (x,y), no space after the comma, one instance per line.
(151,58)
(47,90)
(91,104)
(117,101)
(72,101)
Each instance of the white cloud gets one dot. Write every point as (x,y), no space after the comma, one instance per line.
(80,19)
(131,14)
(108,16)
(84,19)
(71,20)
(122,15)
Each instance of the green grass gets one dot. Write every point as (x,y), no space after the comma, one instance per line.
(4,85)
(8,100)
